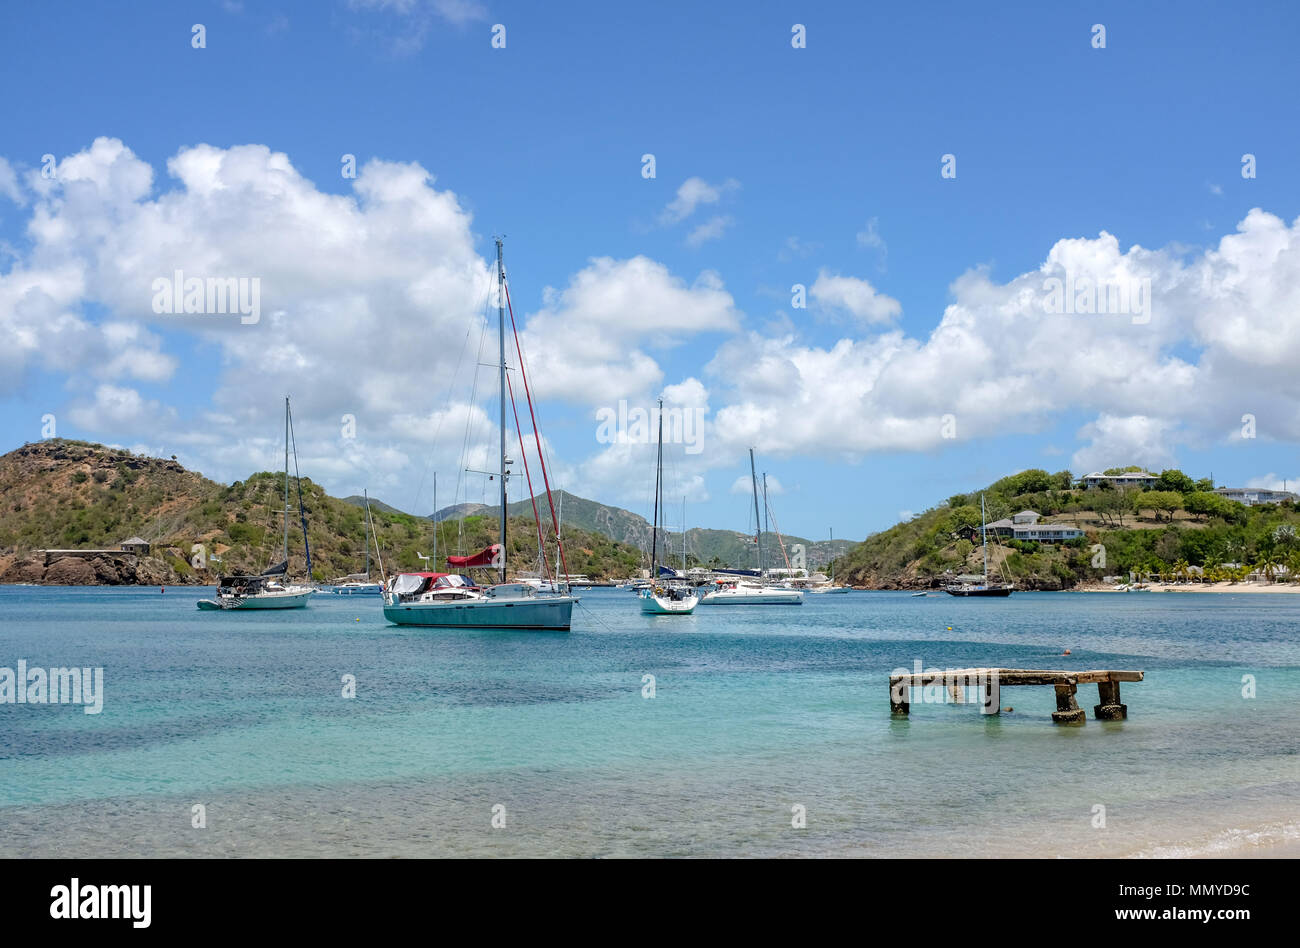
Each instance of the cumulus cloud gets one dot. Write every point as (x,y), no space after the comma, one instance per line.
(693,193)
(855,296)
(1117,441)
(1218,337)
(584,344)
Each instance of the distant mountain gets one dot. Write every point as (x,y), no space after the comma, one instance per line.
(705,546)
(358,500)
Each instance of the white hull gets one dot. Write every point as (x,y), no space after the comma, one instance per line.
(294,597)
(753,596)
(359,589)
(527,612)
(665,606)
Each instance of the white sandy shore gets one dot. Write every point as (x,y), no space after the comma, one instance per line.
(1206,588)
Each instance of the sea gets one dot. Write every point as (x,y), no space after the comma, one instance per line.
(740,731)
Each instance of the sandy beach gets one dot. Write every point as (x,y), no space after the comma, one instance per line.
(1202,588)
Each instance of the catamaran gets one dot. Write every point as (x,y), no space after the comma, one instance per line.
(979,585)
(750,589)
(454,600)
(663,597)
(269,589)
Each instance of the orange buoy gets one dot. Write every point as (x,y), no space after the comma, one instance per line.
(1066,652)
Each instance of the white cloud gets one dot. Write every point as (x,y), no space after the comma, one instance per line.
(693,193)
(834,292)
(1117,441)
(584,343)
(870,236)
(9,187)
(1271,481)
(1219,340)
(710,230)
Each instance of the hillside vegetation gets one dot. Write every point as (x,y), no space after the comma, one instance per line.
(1178,529)
(77,495)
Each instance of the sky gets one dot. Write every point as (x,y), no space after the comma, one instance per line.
(900,250)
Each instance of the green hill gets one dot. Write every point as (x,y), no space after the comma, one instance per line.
(1178,529)
(76,495)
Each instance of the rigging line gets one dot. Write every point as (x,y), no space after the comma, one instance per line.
(462,485)
(536,435)
(777,530)
(302,513)
(541,544)
(419,489)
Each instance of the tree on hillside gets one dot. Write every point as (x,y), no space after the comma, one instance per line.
(1158,501)
(1113,505)
(1175,480)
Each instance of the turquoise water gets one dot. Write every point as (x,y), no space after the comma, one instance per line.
(756,711)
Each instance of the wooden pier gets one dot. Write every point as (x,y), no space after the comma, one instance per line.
(990,681)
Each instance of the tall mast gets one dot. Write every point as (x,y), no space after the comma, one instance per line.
(984,540)
(501,327)
(659,471)
(832,554)
(683,535)
(766,509)
(286,482)
(758,522)
(435,520)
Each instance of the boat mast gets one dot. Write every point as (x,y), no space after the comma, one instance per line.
(758,521)
(984,540)
(501,338)
(766,509)
(683,536)
(659,472)
(286,484)
(832,554)
(435,524)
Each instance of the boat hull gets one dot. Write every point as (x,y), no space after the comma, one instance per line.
(660,606)
(543,613)
(985,593)
(781,598)
(287,600)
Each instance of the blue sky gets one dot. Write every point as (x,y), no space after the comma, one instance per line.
(774,166)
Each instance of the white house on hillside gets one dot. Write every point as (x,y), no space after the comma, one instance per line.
(1130,479)
(1025,526)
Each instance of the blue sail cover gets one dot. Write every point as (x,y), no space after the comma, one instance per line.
(738,572)
(667,571)
(277,570)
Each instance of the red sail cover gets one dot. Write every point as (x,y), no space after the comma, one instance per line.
(484,558)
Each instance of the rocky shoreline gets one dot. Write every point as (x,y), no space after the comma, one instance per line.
(102,569)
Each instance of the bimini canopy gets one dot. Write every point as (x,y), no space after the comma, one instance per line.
(487,557)
(406,584)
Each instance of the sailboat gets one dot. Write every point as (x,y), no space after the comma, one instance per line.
(819,583)
(356,586)
(269,589)
(453,600)
(661,597)
(749,588)
(981,587)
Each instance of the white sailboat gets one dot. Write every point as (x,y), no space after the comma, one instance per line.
(665,597)
(269,589)
(453,601)
(752,590)
(980,586)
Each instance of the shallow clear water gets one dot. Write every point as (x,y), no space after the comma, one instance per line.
(756,711)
